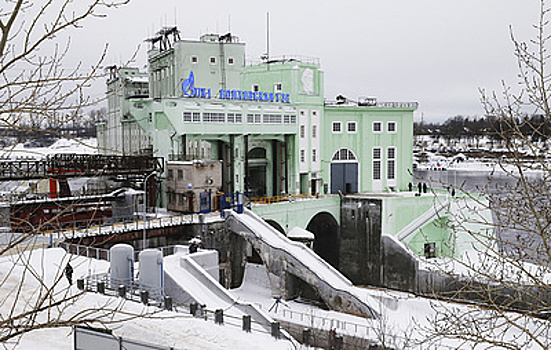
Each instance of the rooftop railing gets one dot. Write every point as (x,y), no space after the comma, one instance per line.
(283,59)
(373,105)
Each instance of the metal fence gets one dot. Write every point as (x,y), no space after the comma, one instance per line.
(126,226)
(102,253)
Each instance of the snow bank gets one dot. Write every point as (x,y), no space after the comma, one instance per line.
(165,328)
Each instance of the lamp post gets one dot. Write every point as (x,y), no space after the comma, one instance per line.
(145,209)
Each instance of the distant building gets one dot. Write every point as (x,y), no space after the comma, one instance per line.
(120,133)
(267,122)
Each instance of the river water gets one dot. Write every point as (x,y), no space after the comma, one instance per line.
(500,187)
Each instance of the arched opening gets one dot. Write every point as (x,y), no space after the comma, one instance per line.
(326,243)
(275,225)
(344,172)
(257,172)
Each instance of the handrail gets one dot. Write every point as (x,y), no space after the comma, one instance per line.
(283,198)
(421,220)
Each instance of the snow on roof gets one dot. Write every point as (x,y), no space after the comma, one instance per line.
(300,233)
(138,79)
(80,146)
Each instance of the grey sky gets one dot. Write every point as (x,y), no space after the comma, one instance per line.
(436,52)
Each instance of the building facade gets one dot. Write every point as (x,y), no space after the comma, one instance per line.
(119,133)
(268,123)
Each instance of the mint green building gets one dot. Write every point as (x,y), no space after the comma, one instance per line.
(269,122)
(274,132)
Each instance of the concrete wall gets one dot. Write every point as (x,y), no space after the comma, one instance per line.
(232,253)
(400,266)
(360,248)
(367,255)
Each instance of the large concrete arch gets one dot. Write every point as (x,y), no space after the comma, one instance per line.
(326,230)
(286,214)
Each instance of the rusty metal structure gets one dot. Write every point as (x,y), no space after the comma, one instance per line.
(40,215)
(75,165)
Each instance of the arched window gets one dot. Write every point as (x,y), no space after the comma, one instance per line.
(344,154)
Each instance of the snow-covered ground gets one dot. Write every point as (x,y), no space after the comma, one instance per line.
(484,156)
(178,330)
(77,146)
(405,318)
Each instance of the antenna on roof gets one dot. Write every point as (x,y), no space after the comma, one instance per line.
(268,40)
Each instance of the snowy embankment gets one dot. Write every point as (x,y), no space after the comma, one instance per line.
(402,318)
(29,272)
(406,321)
(186,281)
(285,256)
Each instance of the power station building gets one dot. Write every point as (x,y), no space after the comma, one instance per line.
(265,128)
(268,123)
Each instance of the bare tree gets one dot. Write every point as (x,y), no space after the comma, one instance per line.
(36,88)
(509,271)
(34,85)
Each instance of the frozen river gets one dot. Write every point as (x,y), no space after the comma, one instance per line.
(497,184)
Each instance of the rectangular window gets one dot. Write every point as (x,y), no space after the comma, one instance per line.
(231,118)
(377,127)
(314,131)
(314,155)
(256,88)
(238,118)
(190,117)
(254,118)
(302,156)
(180,174)
(289,119)
(230,60)
(272,118)
(214,118)
(391,127)
(391,163)
(377,163)
(194,59)
(277,87)
(337,127)
(302,132)
(170,174)
(212,60)
(352,127)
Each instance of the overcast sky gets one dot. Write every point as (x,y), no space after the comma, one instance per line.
(436,52)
